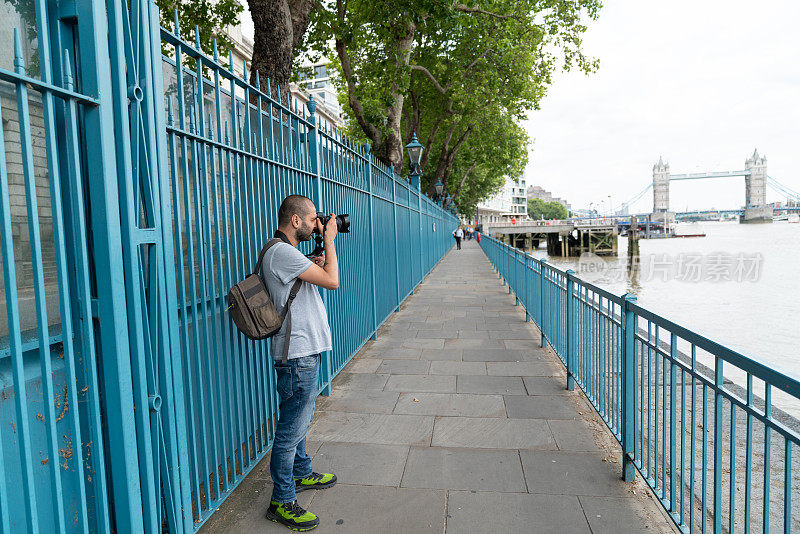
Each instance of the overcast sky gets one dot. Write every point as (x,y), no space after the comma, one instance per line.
(701,83)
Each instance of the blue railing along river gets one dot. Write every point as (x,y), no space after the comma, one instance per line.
(716,454)
(131,199)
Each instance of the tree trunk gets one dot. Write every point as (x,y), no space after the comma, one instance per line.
(464,179)
(394,141)
(280,26)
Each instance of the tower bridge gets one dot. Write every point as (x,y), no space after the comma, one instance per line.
(755,179)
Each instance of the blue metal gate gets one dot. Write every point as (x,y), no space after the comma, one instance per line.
(131,198)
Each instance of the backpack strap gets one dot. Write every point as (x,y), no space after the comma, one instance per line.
(287,316)
(264,250)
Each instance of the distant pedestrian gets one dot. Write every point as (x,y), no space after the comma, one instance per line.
(458,234)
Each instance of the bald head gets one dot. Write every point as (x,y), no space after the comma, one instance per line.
(291,205)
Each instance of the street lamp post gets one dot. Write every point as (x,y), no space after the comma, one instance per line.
(439,188)
(414,149)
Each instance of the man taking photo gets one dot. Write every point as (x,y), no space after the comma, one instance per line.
(290,465)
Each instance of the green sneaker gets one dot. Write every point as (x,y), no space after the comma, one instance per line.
(292,515)
(314,481)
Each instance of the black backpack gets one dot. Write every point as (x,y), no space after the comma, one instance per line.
(252,309)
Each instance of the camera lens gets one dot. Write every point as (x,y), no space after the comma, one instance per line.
(342,221)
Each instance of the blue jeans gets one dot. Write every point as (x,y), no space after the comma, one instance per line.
(297,388)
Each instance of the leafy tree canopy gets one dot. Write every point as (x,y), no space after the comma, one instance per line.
(211,17)
(461,77)
(539,209)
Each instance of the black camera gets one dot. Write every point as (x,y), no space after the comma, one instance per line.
(342,222)
(342,226)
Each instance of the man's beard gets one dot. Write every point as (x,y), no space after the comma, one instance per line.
(304,233)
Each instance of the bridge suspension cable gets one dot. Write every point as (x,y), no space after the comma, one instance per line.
(633,199)
(785,190)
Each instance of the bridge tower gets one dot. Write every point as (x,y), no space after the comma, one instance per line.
(755,184)
(661,211)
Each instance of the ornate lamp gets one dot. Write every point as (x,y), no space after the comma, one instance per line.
(414,149)
(439,188)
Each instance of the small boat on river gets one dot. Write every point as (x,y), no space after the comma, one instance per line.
(688,229)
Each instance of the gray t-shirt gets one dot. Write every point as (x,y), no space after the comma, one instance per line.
(311,333)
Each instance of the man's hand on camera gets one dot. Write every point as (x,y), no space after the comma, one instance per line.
(320,260)
(331,229)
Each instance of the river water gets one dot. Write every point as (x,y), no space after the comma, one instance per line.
(739,285)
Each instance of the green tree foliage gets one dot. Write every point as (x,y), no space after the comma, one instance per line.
(539,209)
(211,17)
(462,78)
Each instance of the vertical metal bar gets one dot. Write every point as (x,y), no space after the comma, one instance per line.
(732,481)
(316,181)
(218,315)
(787,487)
(692,439)
(199,320)
(767,454)
(663,421)
(396,252)
(673,378)
(254,247)
(224,271)
(210,302)
(718,380)
(748,475)
(263,197)
(683,447)
(602,400)
(242,224)
(657,394)
(571,332)
(231,173)
(371,213)
(704,470)
(543,339)
(649,402)
(629,388)
(74,179)
(274,195)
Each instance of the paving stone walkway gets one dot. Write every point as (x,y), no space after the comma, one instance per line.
(456,421)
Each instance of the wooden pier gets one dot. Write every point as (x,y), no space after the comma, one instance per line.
(563,238)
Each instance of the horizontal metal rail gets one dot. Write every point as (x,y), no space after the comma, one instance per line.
(695,418)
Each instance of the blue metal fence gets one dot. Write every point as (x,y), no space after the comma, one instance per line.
(131,198)
(694,418)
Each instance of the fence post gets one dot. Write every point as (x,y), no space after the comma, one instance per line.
(542,263)
(420,226)
(396,251)
(527,302)
(571,331)
(516,276)
(628,387)
(410,241)
(368,160)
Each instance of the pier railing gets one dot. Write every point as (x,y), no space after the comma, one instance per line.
(696,419)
